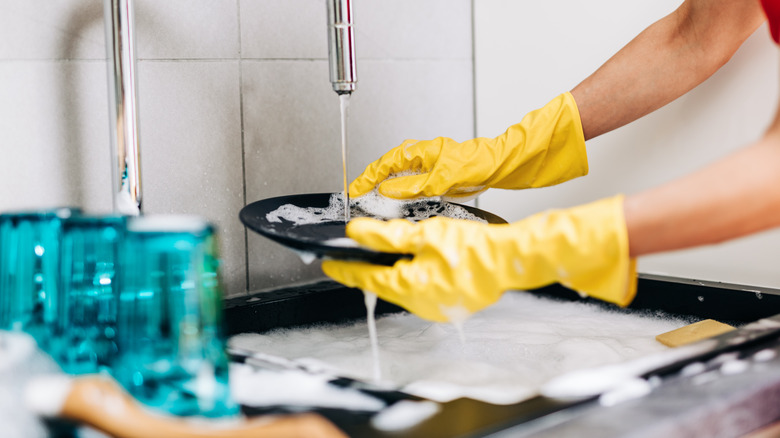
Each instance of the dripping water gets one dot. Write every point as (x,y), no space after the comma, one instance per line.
(344,104)
(370,300)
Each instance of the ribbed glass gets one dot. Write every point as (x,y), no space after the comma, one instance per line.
(29,266)
(84,338)
(170,335)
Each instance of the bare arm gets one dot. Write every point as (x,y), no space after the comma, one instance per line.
(733,197)
(665,61)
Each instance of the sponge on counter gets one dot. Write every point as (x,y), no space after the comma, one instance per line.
(691,333)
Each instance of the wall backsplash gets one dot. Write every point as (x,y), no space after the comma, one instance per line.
(728,111)
(235,106)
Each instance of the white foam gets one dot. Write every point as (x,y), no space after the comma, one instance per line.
(45,395)
(309,215)
(734,367)
(258,388)
(513,347)
(693,369)
(630,390)
(376,205)
(370,205)
(404,414)
(20,361)
(765,355)
(342,242)
(307,257)
(16,348)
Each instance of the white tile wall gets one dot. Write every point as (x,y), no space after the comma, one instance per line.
(292,29)
(404,29)
(44,29)
(726,112)
(182,29)
(53,129)
(235,106)
(191,149)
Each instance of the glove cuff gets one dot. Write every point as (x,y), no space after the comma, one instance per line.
(566,157)
(576,142)
(549,147)
(609,274)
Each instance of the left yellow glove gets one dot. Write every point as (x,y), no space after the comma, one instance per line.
(546,148)
(462,265)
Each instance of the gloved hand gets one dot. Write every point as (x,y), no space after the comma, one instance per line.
(546,148)
(467,265)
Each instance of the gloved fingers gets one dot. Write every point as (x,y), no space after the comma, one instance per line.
(388,283)
(409,187)
(428,185)
(397,236)
(365,182)
(464,195)
(381,280)
(353,274)
(394,161)
(409,157)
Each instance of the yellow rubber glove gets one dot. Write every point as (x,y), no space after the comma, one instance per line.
(463,266)
(546,148)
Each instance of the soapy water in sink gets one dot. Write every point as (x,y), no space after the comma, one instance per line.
(371,205)
(344,111)
(510,349)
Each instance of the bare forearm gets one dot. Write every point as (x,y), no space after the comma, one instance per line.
(733,197)
(665,61)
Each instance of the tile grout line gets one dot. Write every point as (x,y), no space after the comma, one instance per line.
(239,58)
(243,147)
(474,76)
(473,68)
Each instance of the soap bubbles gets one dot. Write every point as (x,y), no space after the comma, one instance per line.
(371,205)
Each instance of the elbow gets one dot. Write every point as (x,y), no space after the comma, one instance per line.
(710,36)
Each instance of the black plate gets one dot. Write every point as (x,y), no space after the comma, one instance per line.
(318,239)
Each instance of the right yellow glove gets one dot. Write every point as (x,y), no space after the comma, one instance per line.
(461,265)
(546,148)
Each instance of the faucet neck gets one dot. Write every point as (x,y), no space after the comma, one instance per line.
(341,46)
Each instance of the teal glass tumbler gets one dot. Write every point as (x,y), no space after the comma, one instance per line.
(84,337)
(29,265)
(170,330)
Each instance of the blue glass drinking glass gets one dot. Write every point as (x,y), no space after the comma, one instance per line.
(170,333)
(29,264)
(84,337)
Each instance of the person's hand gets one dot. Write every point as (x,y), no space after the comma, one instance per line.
(546,148)
(461,266)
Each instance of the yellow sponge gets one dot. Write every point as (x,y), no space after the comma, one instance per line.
(693,332)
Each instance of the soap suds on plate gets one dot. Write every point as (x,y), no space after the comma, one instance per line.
(263,388)
(371,205)
(512,347)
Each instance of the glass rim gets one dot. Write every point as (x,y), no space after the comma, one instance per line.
(169,223)
(49,213)
(96,220)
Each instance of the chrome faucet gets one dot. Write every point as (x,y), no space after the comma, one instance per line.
(119,23)
(341,46)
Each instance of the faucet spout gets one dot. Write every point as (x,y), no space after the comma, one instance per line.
(123,106)
(341,46)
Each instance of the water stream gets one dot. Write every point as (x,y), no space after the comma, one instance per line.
(370,300)
(344,104)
